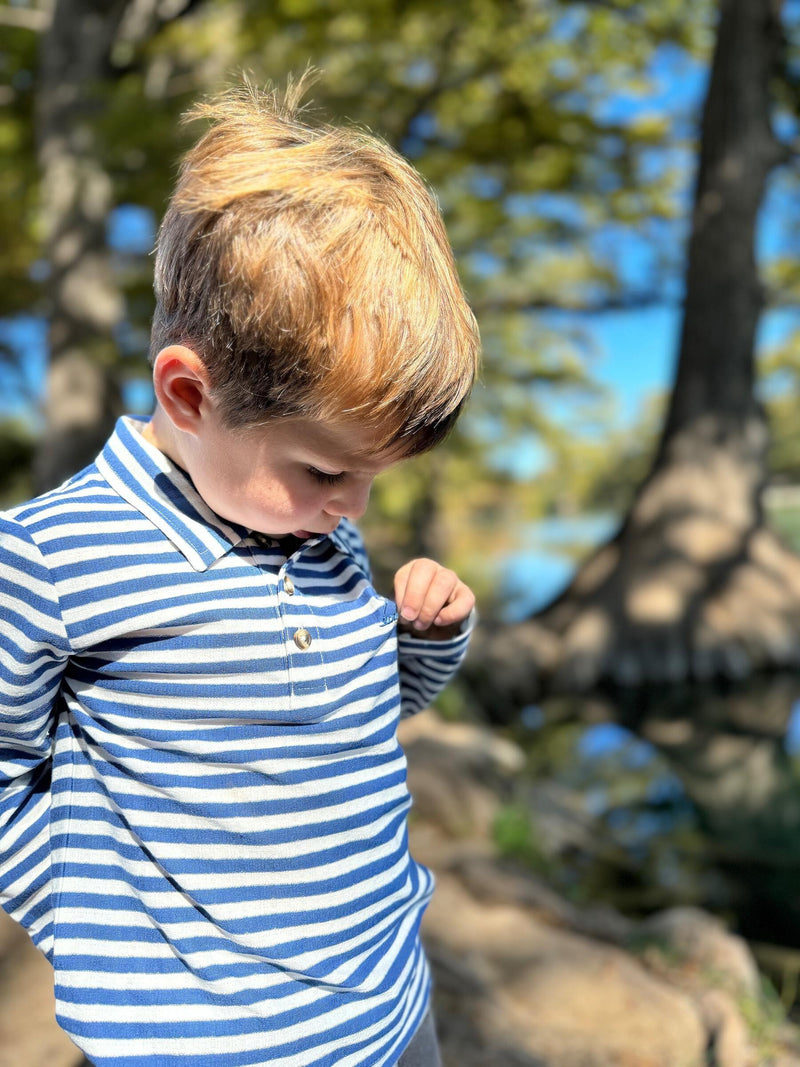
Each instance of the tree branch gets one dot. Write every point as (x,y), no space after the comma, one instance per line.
(144,18)
(631,302)
(25,18)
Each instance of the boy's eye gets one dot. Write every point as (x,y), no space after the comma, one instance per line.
(324,477)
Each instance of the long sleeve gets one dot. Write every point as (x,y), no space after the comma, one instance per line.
(33,651)
(427,666)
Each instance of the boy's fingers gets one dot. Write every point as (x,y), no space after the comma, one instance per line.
(458,608)
(400,583)
(440,592)
(415,580)
(409,584)
(428,587)
(431,596)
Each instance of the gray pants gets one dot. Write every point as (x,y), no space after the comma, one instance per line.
(423,1050)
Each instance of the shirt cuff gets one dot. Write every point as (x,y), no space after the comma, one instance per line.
(428,646)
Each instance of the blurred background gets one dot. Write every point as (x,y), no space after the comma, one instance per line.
(610,795)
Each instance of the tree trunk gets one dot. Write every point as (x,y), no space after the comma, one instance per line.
(694,586)
(82,396)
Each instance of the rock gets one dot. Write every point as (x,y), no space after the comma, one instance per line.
(700,941)
(729,1039)
(457,783)
(29,1033)
(448,795)
(554,997)
(475,746)
(525,978)
(496,882)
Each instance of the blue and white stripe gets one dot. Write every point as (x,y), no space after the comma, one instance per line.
(204,821)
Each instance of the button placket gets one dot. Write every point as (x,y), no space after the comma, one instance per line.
(302,637)
(297,638)
(302,648)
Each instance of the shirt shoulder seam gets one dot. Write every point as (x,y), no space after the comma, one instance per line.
(28,536)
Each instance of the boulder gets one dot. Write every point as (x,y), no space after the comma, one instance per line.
(524,978)
(700,942)
(29,1033)
(507,981)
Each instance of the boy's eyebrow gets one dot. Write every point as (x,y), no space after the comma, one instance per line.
(356,462)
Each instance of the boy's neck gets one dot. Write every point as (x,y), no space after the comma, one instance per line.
(159,433)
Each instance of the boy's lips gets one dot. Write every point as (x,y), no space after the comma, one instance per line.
(314,533)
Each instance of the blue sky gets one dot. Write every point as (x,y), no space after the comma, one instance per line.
(637,353)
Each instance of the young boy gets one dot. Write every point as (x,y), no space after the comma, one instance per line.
(204,802)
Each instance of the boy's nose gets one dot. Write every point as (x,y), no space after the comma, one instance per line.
(350,502)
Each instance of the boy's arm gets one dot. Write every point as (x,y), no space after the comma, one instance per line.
(436,618)
(426,666)
(33,651)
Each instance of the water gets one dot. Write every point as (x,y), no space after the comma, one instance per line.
(545,561)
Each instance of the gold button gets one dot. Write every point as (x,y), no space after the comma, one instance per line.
(302,638)
(288,585)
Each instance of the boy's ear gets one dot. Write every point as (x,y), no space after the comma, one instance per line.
(182,387)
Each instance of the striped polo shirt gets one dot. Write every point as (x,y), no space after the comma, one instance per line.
(204,801)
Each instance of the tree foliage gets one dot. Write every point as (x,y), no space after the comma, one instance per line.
(551,132)
(531,121)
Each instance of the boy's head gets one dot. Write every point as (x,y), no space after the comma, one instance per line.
(309,269)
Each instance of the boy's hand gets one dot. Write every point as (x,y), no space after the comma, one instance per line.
(432,601)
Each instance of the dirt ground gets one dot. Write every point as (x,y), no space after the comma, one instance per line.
(29,1033)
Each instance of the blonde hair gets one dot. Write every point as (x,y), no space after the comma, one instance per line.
(309,268)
